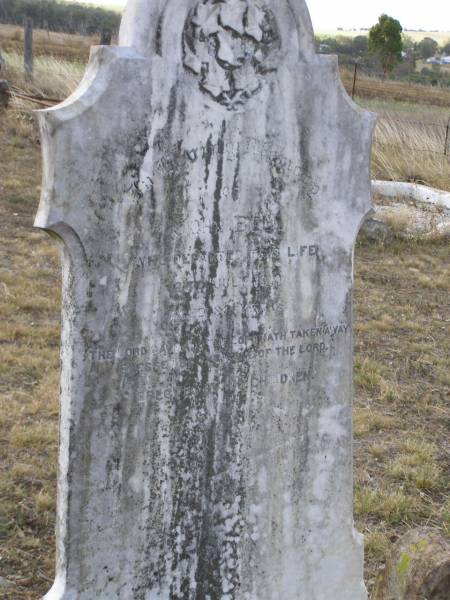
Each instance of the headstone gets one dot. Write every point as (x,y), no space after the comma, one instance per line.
(208,180)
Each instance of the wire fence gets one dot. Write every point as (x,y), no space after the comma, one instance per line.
(365,81)
(11,92)
(412,135)
(420,136)
(392,131)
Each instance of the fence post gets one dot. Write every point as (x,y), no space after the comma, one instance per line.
(105,37)
(5,93)
(354,80)
(28,48)
(447,138)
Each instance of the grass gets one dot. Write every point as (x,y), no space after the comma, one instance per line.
(407,111)
(57,45)
(402,392)
(402,382)
(53,77)
(29,363)
(410,151)
(416,464)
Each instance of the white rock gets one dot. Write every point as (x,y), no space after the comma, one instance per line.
(411,191)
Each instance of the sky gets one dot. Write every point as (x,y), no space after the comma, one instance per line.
(330,14)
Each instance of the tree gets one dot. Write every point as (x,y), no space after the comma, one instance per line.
(409,45)
(427,48)
(385,40)
(446,49)
(360,44)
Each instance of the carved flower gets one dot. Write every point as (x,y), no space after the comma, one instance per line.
(230,46)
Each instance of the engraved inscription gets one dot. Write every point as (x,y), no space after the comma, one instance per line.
(230,45)
(298,333)
(141,263)
(105,355)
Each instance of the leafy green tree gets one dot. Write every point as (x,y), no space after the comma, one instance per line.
(409,45)
(360,44)
(427,48)
(385,40)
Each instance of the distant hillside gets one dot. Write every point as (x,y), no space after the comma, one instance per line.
(68,17)
(441,37)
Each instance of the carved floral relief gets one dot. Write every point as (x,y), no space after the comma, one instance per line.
(230,45)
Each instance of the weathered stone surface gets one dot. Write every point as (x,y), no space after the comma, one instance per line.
(5,583)
(413,220)
(375,230)
(208,206)
(418,568)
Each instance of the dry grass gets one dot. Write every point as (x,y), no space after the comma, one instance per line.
(399,221)
(47,43)
(53,77)
(29,362)
(410,151)
(402,392)
(409,144)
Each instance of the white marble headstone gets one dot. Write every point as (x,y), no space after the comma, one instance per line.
(208,180)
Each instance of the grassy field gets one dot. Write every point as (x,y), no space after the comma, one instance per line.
(409,142)
(441,37)
(47,43)
(402,380)
(398,91)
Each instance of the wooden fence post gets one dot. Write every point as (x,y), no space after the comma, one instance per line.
(105,37)
(447,139)
(28,48)
(354,80)
(5,94)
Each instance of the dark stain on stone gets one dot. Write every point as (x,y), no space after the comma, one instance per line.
(136,147)
(158,37)
(208,156)
(216,221)
(235,188)
(171,111)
